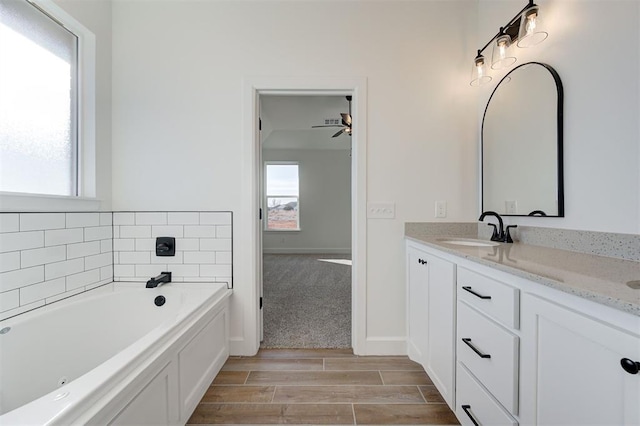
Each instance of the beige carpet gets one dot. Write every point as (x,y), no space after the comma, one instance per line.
(306,301)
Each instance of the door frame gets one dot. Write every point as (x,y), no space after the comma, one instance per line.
(253,87)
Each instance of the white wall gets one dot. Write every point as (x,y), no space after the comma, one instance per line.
(178,70)
(595,47)
(325,202)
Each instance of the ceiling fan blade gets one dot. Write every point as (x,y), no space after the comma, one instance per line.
(346,118)
(328,125)
(338,133)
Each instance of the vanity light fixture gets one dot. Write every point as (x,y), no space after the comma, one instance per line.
(525,29)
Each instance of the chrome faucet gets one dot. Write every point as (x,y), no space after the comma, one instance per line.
(499,233)
(164,277)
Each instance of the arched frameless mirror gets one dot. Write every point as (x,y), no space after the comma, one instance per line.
(522,144)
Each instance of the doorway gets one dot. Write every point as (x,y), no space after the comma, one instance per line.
(306,226)
(247,300)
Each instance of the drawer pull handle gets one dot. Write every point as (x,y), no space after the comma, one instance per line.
(467,342)
(476,294)
(630,366)
(467,409)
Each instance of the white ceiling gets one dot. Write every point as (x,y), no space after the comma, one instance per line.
(287,121)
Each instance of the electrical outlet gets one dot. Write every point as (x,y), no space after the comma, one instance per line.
(511,207)
(381,210)
(441,209)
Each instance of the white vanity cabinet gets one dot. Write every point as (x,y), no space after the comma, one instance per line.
(431,316)
(487,349)
(570,366)
(524,353)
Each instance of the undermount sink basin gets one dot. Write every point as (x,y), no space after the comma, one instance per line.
(468,242)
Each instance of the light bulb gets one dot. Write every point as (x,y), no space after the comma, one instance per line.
(502,56)
(531,29)
(479,72)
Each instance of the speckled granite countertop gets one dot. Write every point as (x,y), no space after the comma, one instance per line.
(597,278)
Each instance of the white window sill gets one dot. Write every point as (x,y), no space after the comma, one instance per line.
(20,202)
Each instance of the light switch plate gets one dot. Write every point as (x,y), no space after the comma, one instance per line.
(381,210)
(441,209)
(511,206)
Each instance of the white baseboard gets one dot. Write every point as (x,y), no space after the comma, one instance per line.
(306,251)
(384,346)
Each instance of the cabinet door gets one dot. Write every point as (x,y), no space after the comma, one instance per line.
(570,368)
(441,300)
(417,281)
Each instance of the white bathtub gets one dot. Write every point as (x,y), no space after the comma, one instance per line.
(114,357)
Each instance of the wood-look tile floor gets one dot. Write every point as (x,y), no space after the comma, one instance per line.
(321,386)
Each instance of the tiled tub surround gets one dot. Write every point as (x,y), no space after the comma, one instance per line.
(45,257)
(203,245)
(598,278)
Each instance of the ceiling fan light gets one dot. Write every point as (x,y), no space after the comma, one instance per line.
(502,56)
(479,72)
(532,29)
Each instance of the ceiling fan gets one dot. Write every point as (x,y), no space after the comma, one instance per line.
(346,122)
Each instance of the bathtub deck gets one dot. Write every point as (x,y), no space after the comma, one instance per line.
(321,386)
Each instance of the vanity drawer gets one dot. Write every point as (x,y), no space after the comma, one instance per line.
(498,300)
(475,404)
(491,353)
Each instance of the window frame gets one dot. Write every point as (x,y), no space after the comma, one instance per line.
(84,112)
(266,196)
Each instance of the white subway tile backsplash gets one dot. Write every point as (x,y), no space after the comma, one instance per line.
(82,220)
(116,257)
(9,222)
(97,233)
(41,221)
(183,218)
(60,269)
(77,250)
(41,256)
(97,261)
(185,270)
(167,259)
(200,231)
(22,309)
(9,300)
(106,272)
(20,278)
(145,244)
(106,246)
(215,218)
(124,244)
(200,257)
(188,244)
(63,236)
(83,279)
(223,231)
(120,218)
(148,271)
(134,257)
(142,231)
(9,261)
(116,231)
(223,258)
(106,219)
(124,270)
(15,241)
(63,295)
(151,218)
(99,284)
(167,231)
(211,244)
(32,293)
(215,270)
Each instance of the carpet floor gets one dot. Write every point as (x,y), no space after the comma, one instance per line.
(306,301)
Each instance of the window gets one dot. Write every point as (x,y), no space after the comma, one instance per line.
(40,99)
(282,197)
